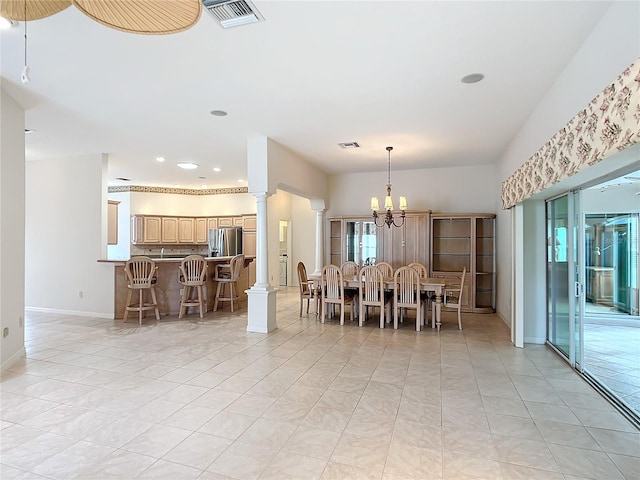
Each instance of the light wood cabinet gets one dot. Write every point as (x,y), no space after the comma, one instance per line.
(360,240)
(145,229)
(112,222)
(202,230)
(170,229)
(186,230)
(249,223)
(212,222)
(466,241)
(225,222)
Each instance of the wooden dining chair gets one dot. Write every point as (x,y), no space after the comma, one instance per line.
(193,276)
(333,292)
(141,276)
(451,298)
(386,268)
(406,294)
(372,294)
(424,296)
(308,289)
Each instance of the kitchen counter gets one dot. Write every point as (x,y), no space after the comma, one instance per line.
(168,285)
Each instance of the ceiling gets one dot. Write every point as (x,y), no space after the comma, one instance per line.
(311,75)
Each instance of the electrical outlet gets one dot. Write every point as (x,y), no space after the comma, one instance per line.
(21,322)
(81,294)
(5,332)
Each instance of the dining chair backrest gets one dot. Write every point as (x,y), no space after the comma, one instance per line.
(453,297)
(386,268)
(371,285)
(193,270)
(140,272)
(303,280)
(406,284)
(350,268)
(333,288)
(420,268)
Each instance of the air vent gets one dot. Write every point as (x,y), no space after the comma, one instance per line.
(122,179)
(232,13)
(349,145)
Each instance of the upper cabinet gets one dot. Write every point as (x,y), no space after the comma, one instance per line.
(158,229)
(466,241)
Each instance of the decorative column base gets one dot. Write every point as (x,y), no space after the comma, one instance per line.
(261,316)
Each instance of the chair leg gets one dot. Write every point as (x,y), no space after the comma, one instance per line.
(231,294)
(215,304)
(433,314)
(185,295)
(324,310)
(155,302)
(140,307)
(395,318)
(126,310)
(361,319)
(342,313)
(200,300)
(459,319)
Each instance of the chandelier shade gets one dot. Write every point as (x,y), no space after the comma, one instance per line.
(147,17)
(388,218)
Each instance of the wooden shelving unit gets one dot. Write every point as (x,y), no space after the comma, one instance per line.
(466,241)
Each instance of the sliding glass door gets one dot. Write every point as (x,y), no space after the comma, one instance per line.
(564,292)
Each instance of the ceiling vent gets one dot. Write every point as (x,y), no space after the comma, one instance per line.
(349,144)
(232,13)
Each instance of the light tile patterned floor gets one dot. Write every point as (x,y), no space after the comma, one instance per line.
(204,399)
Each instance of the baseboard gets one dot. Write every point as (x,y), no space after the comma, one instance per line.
(77,313)
(13,359)
(506,321)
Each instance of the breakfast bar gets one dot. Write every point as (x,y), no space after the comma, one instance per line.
(168,284)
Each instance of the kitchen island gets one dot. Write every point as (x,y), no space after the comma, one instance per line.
(168,285)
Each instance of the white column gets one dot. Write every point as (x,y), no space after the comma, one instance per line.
(319,241)
(261,315)
(262,251)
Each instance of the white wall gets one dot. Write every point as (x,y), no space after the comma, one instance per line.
(535,298)
(612,46)
(65,236)
(278,208)
(441,190)
(122,251)
(12,208)
(143,203)
(303,238)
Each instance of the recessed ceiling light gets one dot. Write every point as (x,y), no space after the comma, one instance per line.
(241,180)
(187,165)
(160,159)
(349,145)
(219,113)
(472,78)
(216,169)
(176,185)
(203,186)
(28,130)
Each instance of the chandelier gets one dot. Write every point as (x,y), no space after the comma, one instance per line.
(151,17)
(388,218)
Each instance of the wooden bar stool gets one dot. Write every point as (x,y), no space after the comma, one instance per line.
(193,274)
(227,276)
(141,276)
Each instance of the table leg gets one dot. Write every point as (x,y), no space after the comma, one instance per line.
(438,308)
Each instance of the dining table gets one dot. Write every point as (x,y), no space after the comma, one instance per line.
(427,285)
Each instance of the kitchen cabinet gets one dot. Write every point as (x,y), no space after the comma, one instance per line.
(112,222)
(212,222)
(146,229)
(170,229)
(249,222)
(186,230)
(466,241)
(225,222)
(202,230)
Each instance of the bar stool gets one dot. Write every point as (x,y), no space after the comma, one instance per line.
(193,274)
(141,275)
(228,274)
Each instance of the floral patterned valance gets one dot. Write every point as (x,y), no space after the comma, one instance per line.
(609,124)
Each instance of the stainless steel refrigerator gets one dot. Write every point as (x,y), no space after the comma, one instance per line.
(225,241)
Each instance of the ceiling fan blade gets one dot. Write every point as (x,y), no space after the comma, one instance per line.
(35,9)
(151,17)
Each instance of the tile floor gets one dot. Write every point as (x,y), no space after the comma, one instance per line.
(612,355)
(204,399)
